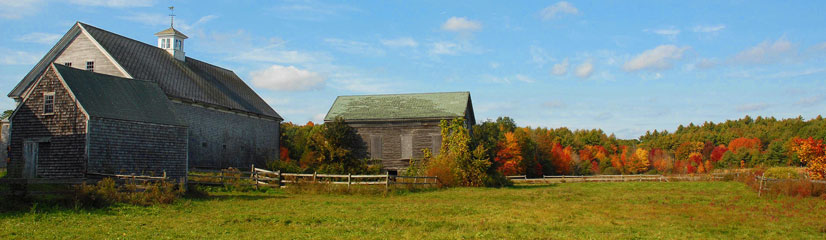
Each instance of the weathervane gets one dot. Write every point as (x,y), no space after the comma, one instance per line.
(171,16)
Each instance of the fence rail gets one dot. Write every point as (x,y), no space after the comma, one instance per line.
(614,178)
(265,178)
(764,182)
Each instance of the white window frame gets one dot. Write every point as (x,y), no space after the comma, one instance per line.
(45,103)
(90,66)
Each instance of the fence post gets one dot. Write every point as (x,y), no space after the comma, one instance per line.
(314,177)
(760,189)
(280,182)
(349,180)
(222,177)
(164,174)
(387,182)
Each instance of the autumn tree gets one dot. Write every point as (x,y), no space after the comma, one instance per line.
(812,152)
(509,156)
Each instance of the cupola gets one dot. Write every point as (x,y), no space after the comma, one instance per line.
(172,40)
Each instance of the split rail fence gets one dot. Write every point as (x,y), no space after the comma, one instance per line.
(765,183)
(258,177)
(615,178)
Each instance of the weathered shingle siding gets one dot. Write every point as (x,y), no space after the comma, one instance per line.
(219,139)
(66,128)
(422,134)
(119,146)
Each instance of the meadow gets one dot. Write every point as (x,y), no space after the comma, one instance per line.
(644,210)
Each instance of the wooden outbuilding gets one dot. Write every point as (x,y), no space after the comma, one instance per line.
(396,127)
(73,123)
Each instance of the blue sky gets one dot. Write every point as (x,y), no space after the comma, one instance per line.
(622,66)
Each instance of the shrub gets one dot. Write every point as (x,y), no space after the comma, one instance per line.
(283,166)
(782,173)
(106,192)
(610,171)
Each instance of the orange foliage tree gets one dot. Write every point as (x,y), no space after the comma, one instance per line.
(639,161)
(509,156)
(718,152)
(812,152)
(561,159)
(744,144)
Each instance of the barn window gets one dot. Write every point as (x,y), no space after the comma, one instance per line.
(48,103)
(375,147)
(68,64)
(407,146)
(90,66)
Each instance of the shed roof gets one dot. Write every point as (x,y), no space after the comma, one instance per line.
(107,96)
(443,105)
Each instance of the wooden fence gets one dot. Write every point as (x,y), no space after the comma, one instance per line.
(616,178)
(264,178)
(764,182)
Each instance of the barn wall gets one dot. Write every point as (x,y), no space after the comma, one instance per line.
(118,146)
(66,130)
(424,134)
(82,50)
(219,139)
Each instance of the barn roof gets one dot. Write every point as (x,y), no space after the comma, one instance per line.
(443,105)
(107,96)
(191,80)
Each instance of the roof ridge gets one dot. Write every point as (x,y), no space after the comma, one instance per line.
(401,94)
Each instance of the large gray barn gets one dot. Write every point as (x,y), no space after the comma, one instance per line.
(229,125)
(396,127)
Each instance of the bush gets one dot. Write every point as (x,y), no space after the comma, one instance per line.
(106,192)
(782,173)
(652,172)
(283,166)
(610,171)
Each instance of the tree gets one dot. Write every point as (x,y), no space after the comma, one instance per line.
(812,152)
(340,148)
(456,165)
(744,144)
(509,156)
(6,114)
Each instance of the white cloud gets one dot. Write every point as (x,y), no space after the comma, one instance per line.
(539,56)
(15,57)
(553,104)
(560,69)
(808,101)
(509,79)
(584,70)
(154,19)
(38,37)
(452,48)
(14,9)
(494,65)
(114,3)
(354,47)
(461,24)
(281,78)
(706,63)
(709,28)
(670,32)
(766,52)
(658,58)
(557,10)
(400,42)
(752,107)
(311,10)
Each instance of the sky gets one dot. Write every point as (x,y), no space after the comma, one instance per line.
(622,66)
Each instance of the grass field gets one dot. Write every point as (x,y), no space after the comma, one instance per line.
(573,210)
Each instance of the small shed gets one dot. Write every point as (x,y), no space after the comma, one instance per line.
(75,122)
(396,127)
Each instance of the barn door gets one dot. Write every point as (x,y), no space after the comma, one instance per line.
(30,150)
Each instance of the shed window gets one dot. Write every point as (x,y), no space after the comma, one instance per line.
(48,103)
(375,147)
(436,141)
(68,64)
(90,66)
(407,146)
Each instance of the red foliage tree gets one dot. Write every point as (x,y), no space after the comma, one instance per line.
(718,152)
(812,152)
(561,159)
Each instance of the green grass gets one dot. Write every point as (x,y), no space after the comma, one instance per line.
(682,210)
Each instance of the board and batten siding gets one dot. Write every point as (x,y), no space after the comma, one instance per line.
(61,136)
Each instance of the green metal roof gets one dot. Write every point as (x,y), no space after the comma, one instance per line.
(401,106)
(107,96)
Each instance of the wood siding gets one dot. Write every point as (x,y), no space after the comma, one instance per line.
(391,134)
(118,146)
(65,131)
(83,50)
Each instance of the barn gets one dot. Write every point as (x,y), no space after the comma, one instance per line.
(396,127)
(75,122)
(227,123)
